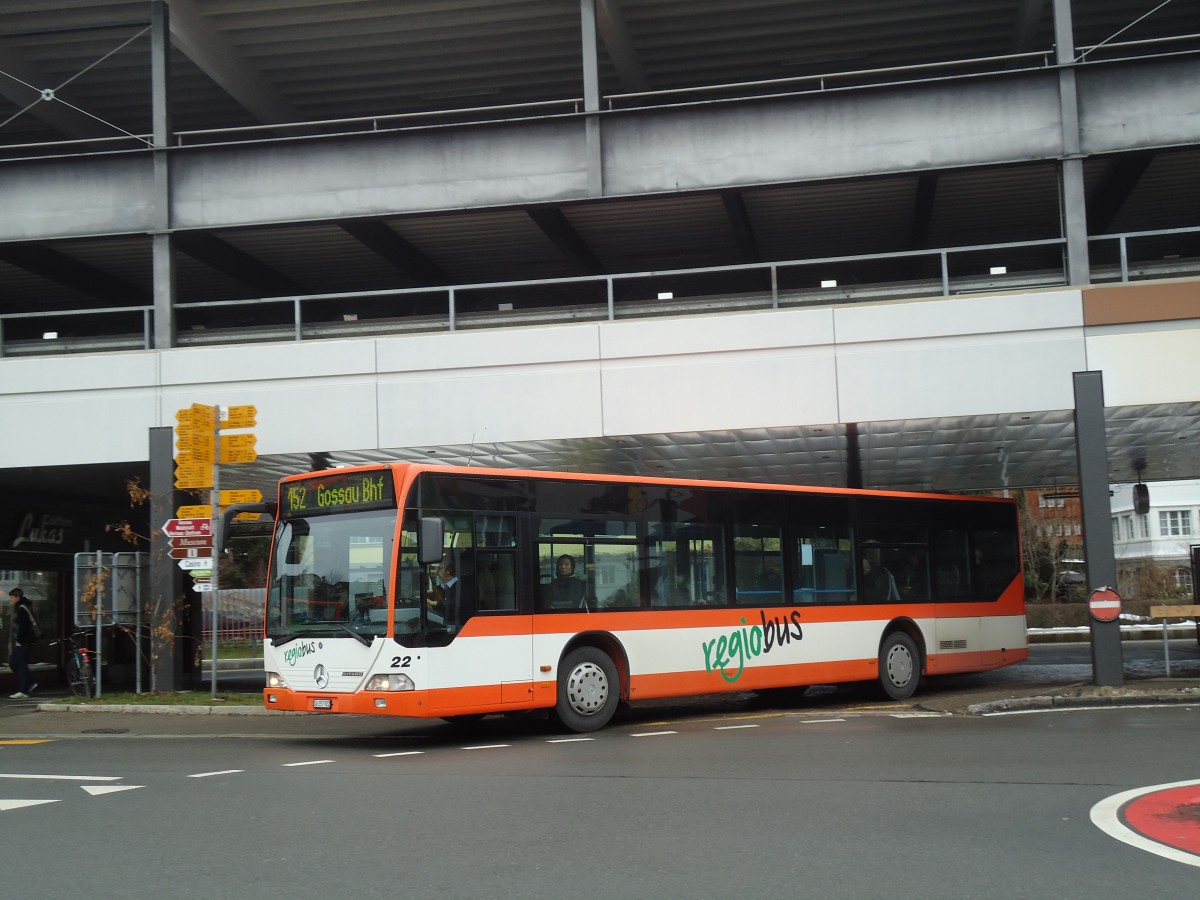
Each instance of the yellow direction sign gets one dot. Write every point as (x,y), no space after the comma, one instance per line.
(198,416)
(195,444)
(240,417)
(193,475)
(194,512)
(238,448)
(193,459)
(228,498)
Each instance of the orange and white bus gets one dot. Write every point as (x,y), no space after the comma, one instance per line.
(415,590)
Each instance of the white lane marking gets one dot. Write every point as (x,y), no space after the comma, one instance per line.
(95,789)
(488,747)
(919,715)
(569,740)
(66,777)
(401,753)
(653,733)
(819,721)
(1106,816)
(6,805)
(222,772)
(732,727)
(311,762)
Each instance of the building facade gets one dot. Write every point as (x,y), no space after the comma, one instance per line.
(769,241)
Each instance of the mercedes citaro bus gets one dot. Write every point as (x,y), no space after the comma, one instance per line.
(432,591)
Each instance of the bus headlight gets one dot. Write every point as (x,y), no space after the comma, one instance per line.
(274,681)
(390,683)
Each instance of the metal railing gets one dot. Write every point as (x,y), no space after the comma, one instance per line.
(848,79)
(652,293)
(655,293)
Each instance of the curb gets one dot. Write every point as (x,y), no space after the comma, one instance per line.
(163,709)
(1184,696)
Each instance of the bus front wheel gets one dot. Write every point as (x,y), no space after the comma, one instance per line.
(899,666)
(588,690)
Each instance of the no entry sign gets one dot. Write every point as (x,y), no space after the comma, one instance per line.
(1104,604)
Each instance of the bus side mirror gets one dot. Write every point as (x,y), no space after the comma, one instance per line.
(430,536)
(232,512)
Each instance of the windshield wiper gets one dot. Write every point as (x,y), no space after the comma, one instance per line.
(362,639)
(280,640)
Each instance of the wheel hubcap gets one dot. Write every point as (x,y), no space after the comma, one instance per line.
(587,689)
(899,666)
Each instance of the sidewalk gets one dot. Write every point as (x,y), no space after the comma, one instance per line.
(988,701)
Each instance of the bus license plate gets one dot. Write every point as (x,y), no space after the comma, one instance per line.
(323,703)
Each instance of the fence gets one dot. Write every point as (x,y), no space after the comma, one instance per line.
(239,614)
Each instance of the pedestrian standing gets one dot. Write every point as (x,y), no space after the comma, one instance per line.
(23,636)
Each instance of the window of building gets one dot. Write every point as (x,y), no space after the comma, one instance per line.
(1175,522)
(1183,579)
(1143,526)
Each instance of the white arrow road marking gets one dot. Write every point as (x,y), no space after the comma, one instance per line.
(110,788)
(6,805)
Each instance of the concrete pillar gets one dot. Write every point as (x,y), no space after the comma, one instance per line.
(591,96)
(163,256)
(1071,192)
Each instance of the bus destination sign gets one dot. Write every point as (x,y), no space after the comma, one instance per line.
(352,492)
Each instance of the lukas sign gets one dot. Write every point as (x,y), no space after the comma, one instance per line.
(45,530)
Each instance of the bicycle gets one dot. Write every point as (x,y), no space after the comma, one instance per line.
(79,665)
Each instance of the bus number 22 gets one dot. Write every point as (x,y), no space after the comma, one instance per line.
(401,662)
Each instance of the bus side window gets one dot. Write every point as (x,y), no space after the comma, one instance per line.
(496,581)
(823,564)
(950,566)
(758,565)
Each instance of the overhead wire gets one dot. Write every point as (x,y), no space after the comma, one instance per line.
(1121,31)
(50,95)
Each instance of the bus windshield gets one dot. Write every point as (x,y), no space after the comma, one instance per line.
(330,576)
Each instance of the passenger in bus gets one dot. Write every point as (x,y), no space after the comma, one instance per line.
(985,578)
(362,610)
(913,581)
(878,584)
(565,591)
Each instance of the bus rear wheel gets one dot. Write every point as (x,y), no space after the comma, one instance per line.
(588,690)
(899,666)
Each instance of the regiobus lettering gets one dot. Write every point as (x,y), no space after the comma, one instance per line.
(749,643)
(294,654)
(443,591)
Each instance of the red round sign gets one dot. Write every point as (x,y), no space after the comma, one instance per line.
(1104,604)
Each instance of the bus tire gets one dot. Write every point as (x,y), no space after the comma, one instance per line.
(589,690)
(899,666)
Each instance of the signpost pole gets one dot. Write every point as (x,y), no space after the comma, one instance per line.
(216,551)
(98,610)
